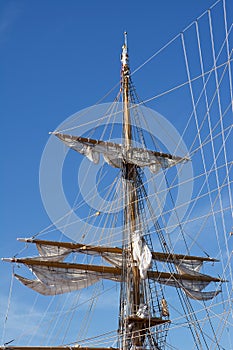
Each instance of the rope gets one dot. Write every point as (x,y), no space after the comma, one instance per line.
(8,306)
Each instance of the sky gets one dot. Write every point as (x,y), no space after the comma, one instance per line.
(59,57)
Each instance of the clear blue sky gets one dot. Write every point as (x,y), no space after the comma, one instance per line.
(58,57)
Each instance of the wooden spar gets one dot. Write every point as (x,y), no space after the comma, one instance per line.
(74,246)
(65,265)
(116,271)
(169,257)
(184,276)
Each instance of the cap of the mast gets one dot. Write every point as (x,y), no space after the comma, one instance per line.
(124,56)
(125,36)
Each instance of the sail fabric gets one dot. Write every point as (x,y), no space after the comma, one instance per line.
(188,266)
(116,154)
(50,275)
(113,259)
(201,295)
(184,283)
(191,267)
(193,289)
(85,149)
(56,288)
(54,280)
(141,253)
(58,253)
(113,161)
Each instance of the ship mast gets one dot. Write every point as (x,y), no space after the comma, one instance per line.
(131,218)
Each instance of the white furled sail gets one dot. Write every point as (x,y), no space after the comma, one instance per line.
(53,274)
(55,288)
(201,295)
(188,266)
(192,287)
(50,275)
(141,253)
(117,154)
(61,253)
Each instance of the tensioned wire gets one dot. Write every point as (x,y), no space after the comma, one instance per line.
(105,117)
(200,196)
(168,211)
(111,191)
(106,338)
(171,187)
(196,120)
(86,320)
(173,39)
(94,214)
(203,91)
(216,157)
(189,77)
(228,49)
(175,320)
(219,101)
(47,230)
(203,159)
(97,184)
(167,91)
(204,143)
(223,142)
(210,307)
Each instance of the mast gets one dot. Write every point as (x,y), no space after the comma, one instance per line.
(131,210)
(137,315)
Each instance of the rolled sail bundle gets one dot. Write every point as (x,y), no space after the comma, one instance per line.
(116,154)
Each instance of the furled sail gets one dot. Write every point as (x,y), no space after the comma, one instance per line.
(45,250)
(50,275)
(52,280)
(193,288)
(201,295)
(141,253)
(49,250)
(188,266)
(58,287)
(116,154)
(55,277)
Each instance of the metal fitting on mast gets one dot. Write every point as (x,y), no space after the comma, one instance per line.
(124,55)
(125,92)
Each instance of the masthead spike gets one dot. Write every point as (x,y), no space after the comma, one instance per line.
(124,55)
(125,35)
